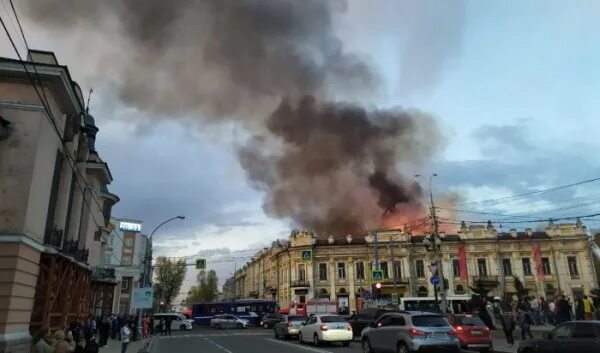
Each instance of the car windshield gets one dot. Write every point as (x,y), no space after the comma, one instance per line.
(327,319)
(297,318)
(469,321)
(429,321)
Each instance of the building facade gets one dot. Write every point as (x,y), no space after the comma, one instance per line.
(54,202)
(124,252)
(550,262)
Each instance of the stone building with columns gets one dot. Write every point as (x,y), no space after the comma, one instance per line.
(340,267)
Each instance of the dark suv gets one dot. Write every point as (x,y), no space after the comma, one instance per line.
(269,320)
(572,336)
(364,318)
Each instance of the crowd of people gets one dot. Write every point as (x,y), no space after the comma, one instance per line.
(510,313)
(89,335)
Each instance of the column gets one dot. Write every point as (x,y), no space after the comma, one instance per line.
(311,279)
(332,277)
(19,268)
(350,278)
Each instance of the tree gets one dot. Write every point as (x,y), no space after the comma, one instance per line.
(169,278)
(206,288)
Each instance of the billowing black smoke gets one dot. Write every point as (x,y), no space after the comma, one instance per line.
(279,69)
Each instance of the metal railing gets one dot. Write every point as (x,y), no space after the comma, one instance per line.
(488,278)
(54,237)
(299,283)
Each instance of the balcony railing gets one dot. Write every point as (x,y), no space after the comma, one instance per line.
(270,289)
(71,248)
(300,283)
(54,237)
(399,281)
(487,279)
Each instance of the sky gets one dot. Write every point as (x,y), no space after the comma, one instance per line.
(512,85)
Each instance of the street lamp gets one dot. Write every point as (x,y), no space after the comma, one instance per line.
(436,244)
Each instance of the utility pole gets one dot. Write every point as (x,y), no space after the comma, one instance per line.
(436,250)
(393,260)
(376,261)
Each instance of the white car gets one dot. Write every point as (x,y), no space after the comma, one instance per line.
(228,321)
(325,328)
(178,321)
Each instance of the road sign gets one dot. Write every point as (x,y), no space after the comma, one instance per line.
(433,269)
(395,298)
(377,275)
(142,298)
(200,264)
(306,255)
(435,280)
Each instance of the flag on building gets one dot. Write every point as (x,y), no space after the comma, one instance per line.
(462,258)
(537,257)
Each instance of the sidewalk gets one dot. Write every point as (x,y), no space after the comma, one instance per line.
(500,344)
(114,346)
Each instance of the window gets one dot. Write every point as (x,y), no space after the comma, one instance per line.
(397,269)
(384,267)
(397,321)
(482,267)
(430,321)
(546,266)
(572,261)
(121,309)
(526,266)
(507,267)
(301,272)
(126,260)
(125,285)
(360,270)
(322,272)
(341,268)
(420,269)
(456,267)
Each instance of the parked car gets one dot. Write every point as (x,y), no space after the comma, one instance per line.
(269,320)
(325,328)
(472,332)
(289,326)
(572,336)
(178,321)
(364,318)
(410,331)
(228,321)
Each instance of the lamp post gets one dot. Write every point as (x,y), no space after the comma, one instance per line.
(147,263)
(436,244)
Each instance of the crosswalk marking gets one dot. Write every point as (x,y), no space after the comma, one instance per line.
(216,334)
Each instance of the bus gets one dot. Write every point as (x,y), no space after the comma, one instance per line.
(249,309)
(456,303)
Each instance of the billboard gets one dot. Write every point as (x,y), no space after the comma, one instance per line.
(130,227)
(142,298)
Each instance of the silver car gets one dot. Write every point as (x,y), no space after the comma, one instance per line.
(228,321)
(409,331)
(289,326)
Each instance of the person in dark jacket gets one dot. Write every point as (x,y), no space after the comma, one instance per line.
(579,309)
(563,311)
(507,319)
(525,321)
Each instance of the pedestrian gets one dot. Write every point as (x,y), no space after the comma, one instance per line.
(80,346)
(145,326)
(552,312)
(563,311)
(104,332)
(588,308)
(92,346)
(114,327)
(525,322)
(125,337)
(42,341)
(545,308)
(62,345)
(168,325)
(579,309)
(88,330)
(507,319)
(161,326)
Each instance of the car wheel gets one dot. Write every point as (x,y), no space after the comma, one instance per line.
(316,340)
(402,348)
(346,343)
(300,338)
(239,325)
(265,325)
(182,327)
(366,346)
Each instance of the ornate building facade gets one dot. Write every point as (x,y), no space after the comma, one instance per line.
(550,262)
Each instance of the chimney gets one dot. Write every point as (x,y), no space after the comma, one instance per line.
(513,233)
(349,238)
(529,232)
(330,240)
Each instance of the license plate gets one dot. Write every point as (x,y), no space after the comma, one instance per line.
(476,332)
(438,334)
(338,327)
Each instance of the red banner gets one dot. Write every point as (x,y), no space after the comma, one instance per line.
(462,259)
(537,257)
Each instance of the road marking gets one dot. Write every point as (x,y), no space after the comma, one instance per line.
(298,345)
(216,344)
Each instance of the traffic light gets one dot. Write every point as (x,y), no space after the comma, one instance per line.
(200,264)
(376,289)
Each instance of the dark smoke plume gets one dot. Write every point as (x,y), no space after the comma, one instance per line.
(278,67)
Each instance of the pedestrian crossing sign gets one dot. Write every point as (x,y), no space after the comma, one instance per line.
(200,264)
(306,255)
(395,298)
(377,275)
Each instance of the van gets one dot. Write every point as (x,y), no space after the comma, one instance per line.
(178,321)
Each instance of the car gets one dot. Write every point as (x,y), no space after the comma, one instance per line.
(289,326)
(269,320)
(410,331)
(571,336)
(472,332)
(364,318)
(228,321)
(325,328)
(178,321)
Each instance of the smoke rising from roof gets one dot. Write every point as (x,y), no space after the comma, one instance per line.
(279,69)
